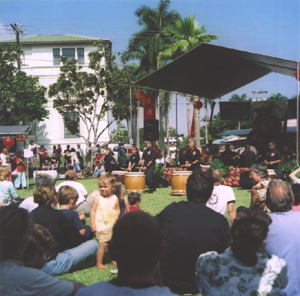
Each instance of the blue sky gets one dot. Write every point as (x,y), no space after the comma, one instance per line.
(268,27)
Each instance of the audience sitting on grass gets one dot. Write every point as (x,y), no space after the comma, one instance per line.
(67,198)
(134,199)
(189,229)
(243,267)
(137,247)
(71,251)
(98,170)
(104,213)
(16,232)
(55,161)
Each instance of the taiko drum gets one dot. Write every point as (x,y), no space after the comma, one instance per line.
(134,182)
(120,175)
(179,180)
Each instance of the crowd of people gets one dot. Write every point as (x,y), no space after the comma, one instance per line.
(187,248)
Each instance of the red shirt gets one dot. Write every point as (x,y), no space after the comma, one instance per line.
(19,164)
(157,151)
(41,152)
(134,208)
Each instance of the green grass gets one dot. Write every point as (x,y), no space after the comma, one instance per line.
(151,203)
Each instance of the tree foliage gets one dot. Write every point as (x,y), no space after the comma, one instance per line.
(22,98)
(92,94)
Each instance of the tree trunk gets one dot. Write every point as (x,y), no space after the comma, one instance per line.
(161,122)
(134,129)
(167,126)
(188,113)
(239,125)
(197,123)
(137,127)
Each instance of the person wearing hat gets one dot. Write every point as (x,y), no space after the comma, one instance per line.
(71,180)
(18,163)
(193,156)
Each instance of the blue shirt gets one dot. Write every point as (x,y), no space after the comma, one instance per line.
(8,192)
(74,218)
(283,240)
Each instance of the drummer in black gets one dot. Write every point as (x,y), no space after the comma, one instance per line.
(148,165)
(192,156)
(134,160)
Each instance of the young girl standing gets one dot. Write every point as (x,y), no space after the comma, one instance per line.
(104,213)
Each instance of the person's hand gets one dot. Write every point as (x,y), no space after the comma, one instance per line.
(93,228)
(2,204)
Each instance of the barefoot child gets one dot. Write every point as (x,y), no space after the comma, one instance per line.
(105,211)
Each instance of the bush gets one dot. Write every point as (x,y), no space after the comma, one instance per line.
(218,164)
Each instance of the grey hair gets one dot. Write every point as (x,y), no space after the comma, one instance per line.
(279,196)
(44,180)
(260,169)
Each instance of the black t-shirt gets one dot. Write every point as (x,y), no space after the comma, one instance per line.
(273,155)
(65,234)
(67,158)
(135,158)
(190,229)
(46,161)
(191,156)
(148,155)
(246,161)
(55,160)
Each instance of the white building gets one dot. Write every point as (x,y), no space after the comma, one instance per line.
(42,58)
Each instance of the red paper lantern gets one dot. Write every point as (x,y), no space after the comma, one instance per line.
(139,95)
(198,105)
(297,76)
(8,142)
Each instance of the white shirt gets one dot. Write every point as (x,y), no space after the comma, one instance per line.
(160,160)
(18,280)
(221,196)
(28,204)
(172,152)
(79,187)
(80,151)
(3,159)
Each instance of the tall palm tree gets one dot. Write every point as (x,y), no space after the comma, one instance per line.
(277,96)
(146,44)
(185,35)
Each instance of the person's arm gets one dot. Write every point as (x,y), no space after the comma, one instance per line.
(293,175)
(126,204)
(231,211)
(93,213)
(253,198)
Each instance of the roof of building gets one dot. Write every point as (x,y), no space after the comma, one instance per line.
(53,39)
(13,130)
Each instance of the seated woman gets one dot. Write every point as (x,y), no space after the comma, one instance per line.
(16,279)
(71,251)
(260,177)
(243,269)
(7,190)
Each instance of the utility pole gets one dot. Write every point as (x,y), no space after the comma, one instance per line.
(18,28)
(259,92)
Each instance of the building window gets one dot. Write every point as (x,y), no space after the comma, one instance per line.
(69,53)
(68,134)
(80,56)
(56,54)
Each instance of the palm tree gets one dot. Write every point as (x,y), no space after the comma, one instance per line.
(148,43)
(278,96)
(185,35)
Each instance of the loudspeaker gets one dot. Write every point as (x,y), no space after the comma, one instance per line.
(245,181)
(151,130)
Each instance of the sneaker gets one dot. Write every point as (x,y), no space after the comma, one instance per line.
(114,271)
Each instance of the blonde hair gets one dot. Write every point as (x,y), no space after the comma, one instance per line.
(4,170)
(44,195)
(65,193)
(107,177)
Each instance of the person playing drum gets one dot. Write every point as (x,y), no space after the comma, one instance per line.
(134,160)
(193,156)
(148,165)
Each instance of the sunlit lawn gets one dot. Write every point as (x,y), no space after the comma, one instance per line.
(152,203)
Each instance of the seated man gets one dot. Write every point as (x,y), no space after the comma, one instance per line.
(222,197)
(227,156)
(46,164)
(247,157)
(137,247)
(190,229)
(283,239)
